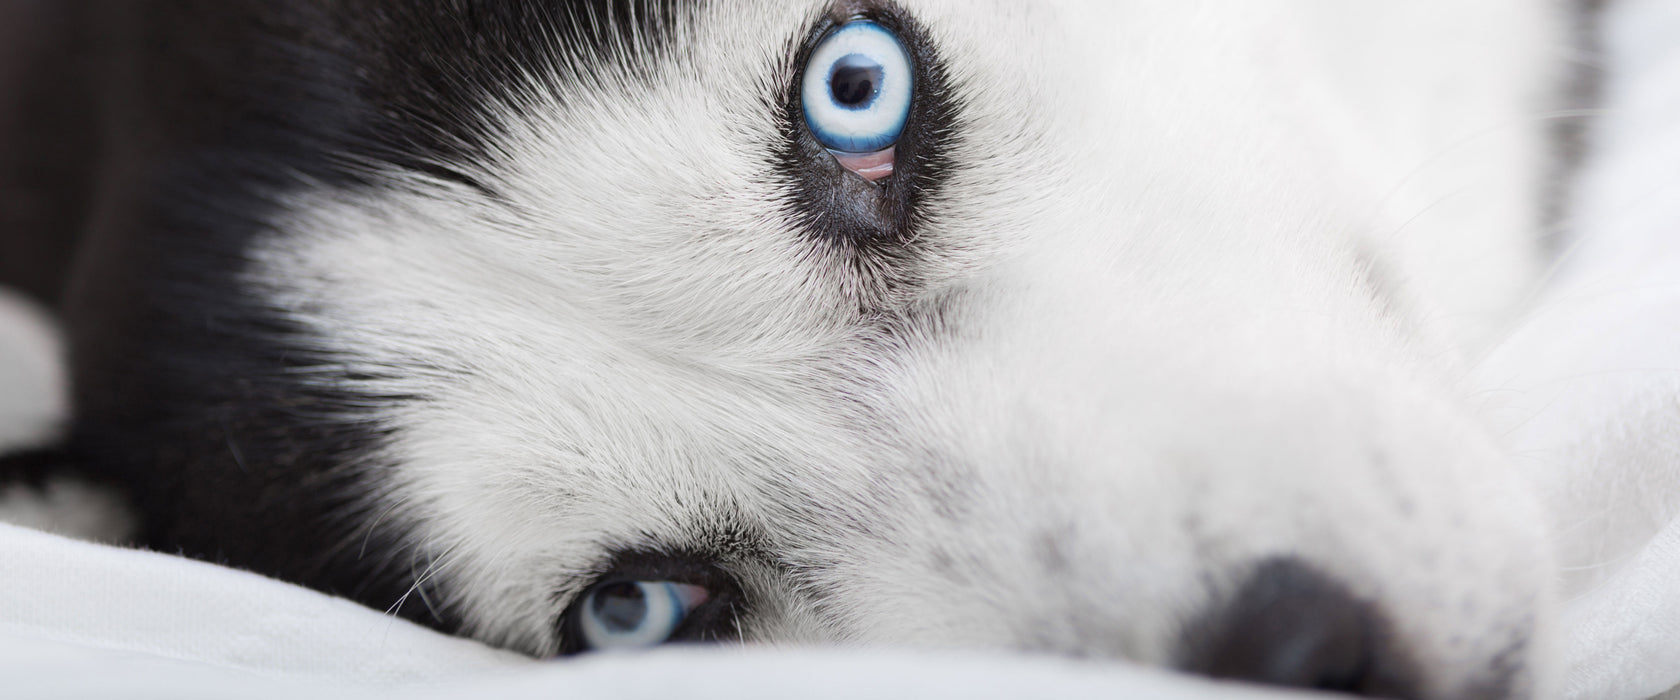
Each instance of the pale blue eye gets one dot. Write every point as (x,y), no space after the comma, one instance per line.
(635,614)
(857,88)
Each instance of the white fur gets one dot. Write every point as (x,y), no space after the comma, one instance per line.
(33,407)
(1212,271)
(35,399)
(68,507)
(32,410)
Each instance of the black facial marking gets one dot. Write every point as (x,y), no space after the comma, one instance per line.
(238,439)
(438,72)
(871,224)
(47,143)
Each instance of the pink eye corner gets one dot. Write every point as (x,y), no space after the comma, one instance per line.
(869,166)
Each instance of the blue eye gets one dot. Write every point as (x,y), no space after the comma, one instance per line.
(857,89)
(636,614)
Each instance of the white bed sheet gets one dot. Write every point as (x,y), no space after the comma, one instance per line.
(81,620)
(1588,388)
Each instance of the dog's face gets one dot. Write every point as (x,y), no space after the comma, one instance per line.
(1107,365)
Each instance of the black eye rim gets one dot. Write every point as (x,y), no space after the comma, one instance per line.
(873,222)
(715,620)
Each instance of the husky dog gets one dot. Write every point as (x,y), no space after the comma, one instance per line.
(1131,330)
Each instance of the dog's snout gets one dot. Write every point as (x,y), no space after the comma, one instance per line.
(1291,625)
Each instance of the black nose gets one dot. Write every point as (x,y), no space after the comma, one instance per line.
(1292,626)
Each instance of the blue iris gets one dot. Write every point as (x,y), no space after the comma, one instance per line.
(632,614)
(858,87)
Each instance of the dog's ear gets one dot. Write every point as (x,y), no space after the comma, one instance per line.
(45,489)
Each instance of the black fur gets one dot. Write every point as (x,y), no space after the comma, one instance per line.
(45,71)
(189,389)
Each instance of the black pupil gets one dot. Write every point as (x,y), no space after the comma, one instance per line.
(620,607)
(855,81)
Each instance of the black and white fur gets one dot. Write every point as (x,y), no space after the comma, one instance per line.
(454,307)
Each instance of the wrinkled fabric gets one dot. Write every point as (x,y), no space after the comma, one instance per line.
(1588,386)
